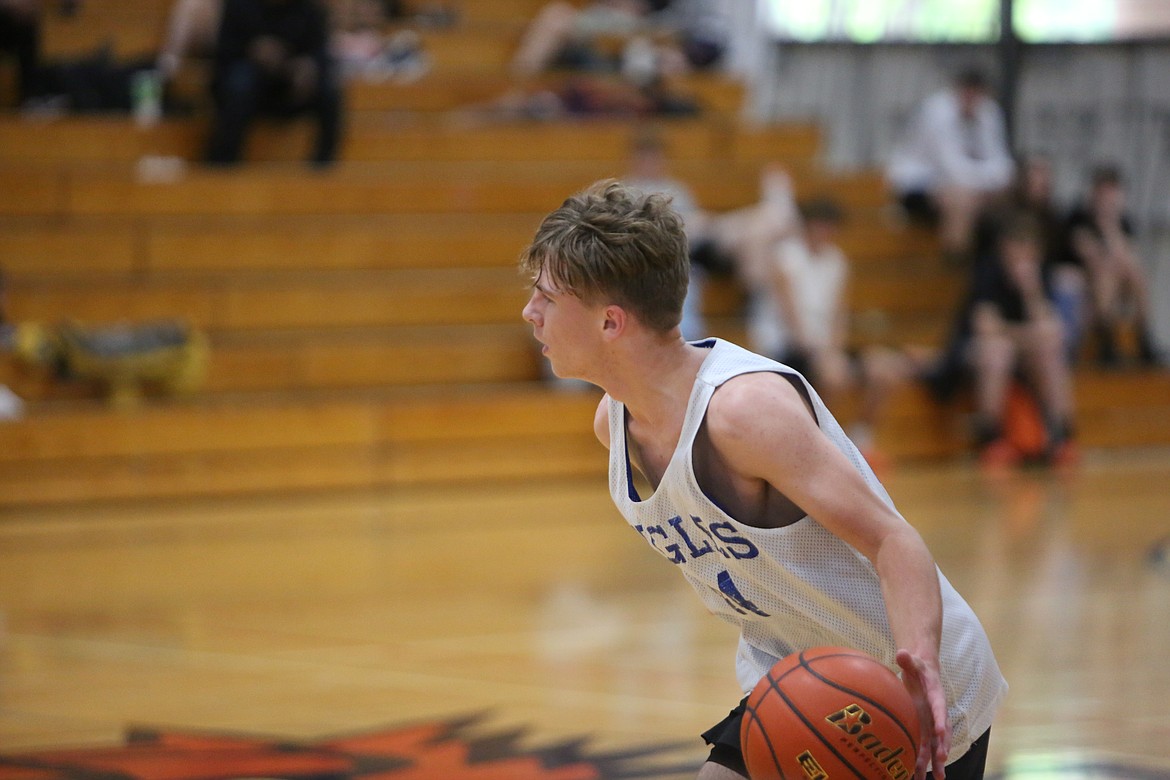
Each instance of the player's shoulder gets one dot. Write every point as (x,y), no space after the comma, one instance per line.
(751,402)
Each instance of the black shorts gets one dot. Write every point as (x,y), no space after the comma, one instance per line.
(723,738)
(920,207)
(802,362)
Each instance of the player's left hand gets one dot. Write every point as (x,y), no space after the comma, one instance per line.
(924,682)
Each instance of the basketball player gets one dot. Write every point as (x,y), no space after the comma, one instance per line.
(751,488)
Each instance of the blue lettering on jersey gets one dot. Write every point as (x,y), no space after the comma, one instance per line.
(734,598)
(740,547)
(696,552)
(698,521)
(717,537)
(672,551)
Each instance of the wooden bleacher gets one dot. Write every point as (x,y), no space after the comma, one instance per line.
(364,320)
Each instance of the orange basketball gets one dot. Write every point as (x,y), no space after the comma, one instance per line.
(830,712)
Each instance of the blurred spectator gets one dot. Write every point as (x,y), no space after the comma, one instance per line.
(1015,330)
(794,274)
(745,238)
(795,278)
(1101,243)
(564,35)
(192,27)
(740,243)
(588,95)
(799,315)
(645,40)
(20,36)
(1032,193)
(737,243)
(363,48)
(702,29)
(272,57)
(952,159)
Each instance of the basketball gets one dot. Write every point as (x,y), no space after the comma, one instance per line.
(830,712)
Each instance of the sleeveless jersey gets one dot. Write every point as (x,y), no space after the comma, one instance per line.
(798,586)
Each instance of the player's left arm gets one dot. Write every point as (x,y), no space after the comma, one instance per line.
(762,428)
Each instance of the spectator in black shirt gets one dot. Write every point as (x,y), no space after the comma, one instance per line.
(272,57)
(1101,244)
(1015,330)
(20,34)
(1031,193)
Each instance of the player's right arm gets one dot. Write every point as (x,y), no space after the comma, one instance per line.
(601,422)
(762,429)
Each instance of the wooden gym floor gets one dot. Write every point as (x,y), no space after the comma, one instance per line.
(531,606)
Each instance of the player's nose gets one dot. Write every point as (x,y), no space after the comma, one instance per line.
(529,313)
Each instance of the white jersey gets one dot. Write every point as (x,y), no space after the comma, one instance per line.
(794,587)
(817,283)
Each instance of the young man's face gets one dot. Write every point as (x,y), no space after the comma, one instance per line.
(566,327)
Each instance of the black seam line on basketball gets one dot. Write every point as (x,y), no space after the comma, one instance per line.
(811,727)
(751,712)
(875,704)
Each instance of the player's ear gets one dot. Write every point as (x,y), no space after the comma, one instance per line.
(614,322)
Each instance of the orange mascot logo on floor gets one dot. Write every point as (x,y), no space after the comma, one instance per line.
(429,751)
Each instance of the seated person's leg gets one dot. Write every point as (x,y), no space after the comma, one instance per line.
(1042,357)
(543,39)
(993,355)
(237,92)
(1069,294)
(958,209)
(20,34)
(329,108)
(1136,289)
(1103,291)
